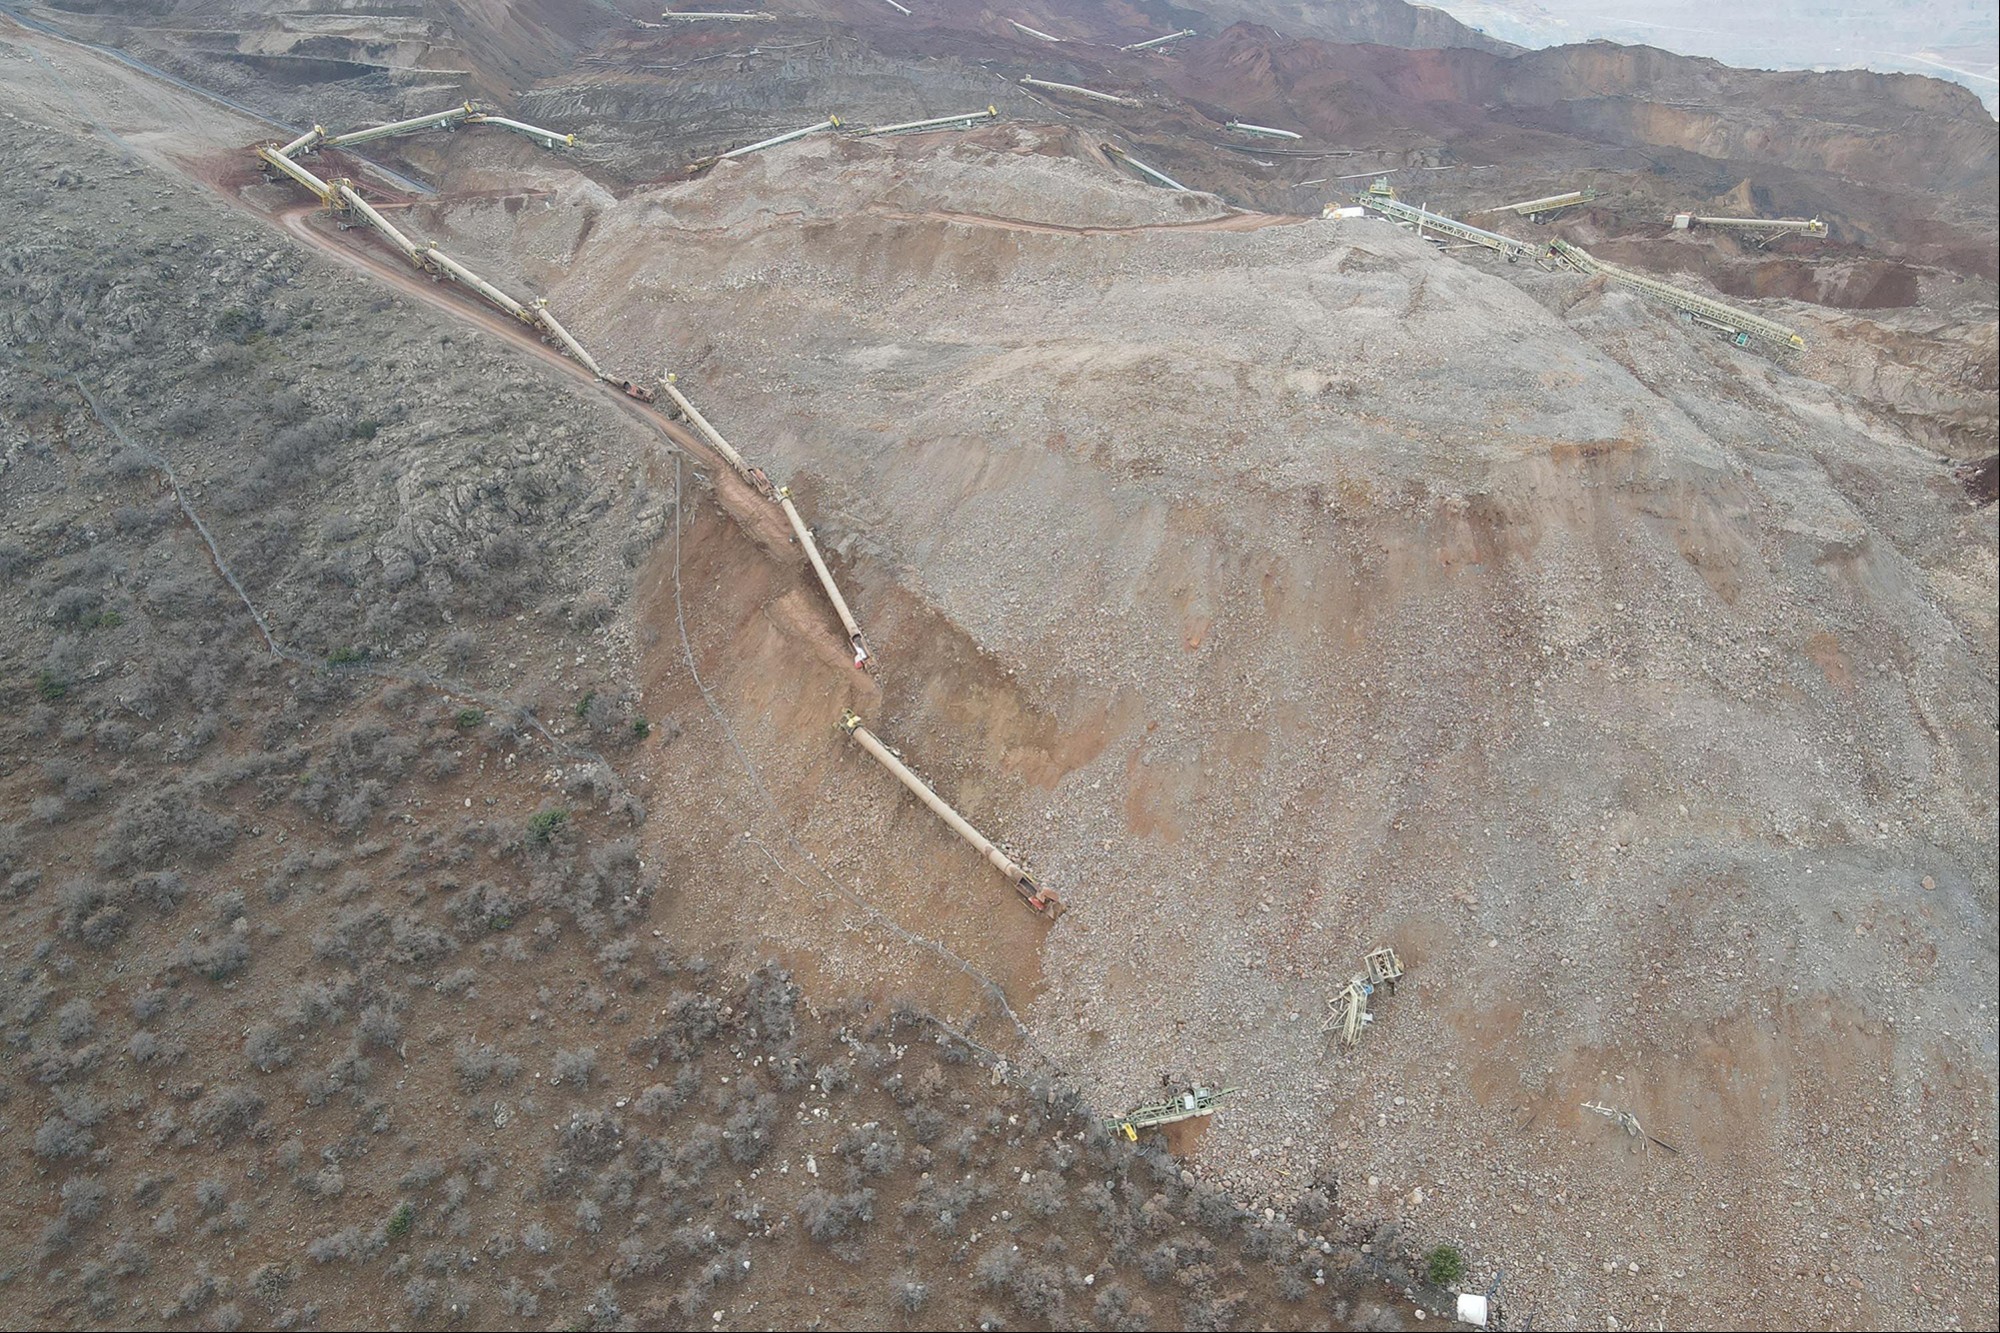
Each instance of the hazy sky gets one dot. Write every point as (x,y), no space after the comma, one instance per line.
(1952,39)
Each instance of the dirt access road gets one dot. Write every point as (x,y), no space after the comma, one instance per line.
(168,126)
(759,518)
(172,125)
(211,152)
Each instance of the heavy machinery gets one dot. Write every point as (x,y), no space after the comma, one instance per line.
(807,541)
(466,113)
(1196,1101)
(964,121)
(344,201)
(1113,98)
(1032,893)
(1260,131)
(1740,325)
(1379,968)
(1152,42)
(1381,197)
(782,496)
(1153,174)
(1765,230)
(832,122)
(276,161)
(1541,210)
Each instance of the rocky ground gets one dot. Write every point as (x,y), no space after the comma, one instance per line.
(1621,828)
(338,986)
(1280,588)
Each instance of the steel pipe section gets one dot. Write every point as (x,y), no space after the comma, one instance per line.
(546,138)
(1080,92)
(465,114)
(1261,131)
(1152,173)
(1152,42)
(963,122)
(571,345)
(436,120)
(832,122)
(353,200)
(1803,226)
(804,534)
(299,174)
(436,258)
(1546,204)
(1024,884)
(755,476)
(305,143)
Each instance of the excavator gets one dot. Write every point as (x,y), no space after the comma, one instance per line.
(1195,1101)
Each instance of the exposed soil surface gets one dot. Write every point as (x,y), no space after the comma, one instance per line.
(1275,587)
(342,989)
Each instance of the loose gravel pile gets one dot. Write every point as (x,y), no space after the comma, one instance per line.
(1638,689)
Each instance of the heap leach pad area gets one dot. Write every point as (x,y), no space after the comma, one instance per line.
(1288,591)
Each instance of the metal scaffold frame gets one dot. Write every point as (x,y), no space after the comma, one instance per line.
(1348,1009)
(1716,314)
(1423,219)
(1196,1101)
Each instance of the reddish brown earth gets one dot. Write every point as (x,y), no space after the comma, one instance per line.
(777,279)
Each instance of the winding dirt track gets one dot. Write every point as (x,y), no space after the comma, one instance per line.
(177,129)
(214,158)
(759,518)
